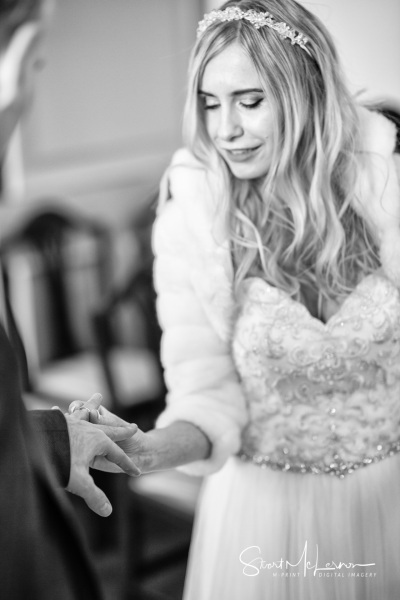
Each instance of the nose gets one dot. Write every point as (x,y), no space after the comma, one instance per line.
(229,126)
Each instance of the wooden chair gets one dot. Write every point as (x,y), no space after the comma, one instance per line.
(58,266)
(42,257)
(133,371)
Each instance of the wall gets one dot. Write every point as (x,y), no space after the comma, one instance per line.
(367,35)
(105,121)
(107,112)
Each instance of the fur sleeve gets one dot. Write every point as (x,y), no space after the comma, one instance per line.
(202,382)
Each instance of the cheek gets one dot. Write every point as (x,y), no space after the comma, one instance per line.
(264,129)
(259,125)
(210,124)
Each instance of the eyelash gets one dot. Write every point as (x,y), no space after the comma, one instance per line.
(249,106)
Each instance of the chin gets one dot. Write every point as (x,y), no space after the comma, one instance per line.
(247,171)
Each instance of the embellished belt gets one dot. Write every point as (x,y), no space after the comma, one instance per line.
(337,467)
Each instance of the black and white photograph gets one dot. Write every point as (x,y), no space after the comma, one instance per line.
(199,300)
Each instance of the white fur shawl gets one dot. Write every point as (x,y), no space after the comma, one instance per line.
(378,201)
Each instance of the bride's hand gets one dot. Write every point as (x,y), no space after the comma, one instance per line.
(136,447)
(86,411)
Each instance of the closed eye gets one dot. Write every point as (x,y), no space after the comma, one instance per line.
(208,103)
(251,105)
(248,105)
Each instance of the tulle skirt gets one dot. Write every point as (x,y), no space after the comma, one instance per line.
(267,535)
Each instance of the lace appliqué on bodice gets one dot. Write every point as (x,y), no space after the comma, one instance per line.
(322,398)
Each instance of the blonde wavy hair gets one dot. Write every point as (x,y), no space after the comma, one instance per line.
(295,227)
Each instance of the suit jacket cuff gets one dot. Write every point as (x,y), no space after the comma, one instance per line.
(52,428)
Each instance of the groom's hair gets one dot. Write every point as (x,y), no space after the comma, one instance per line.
(13,14)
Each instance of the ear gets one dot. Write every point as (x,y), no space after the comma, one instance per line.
(12,62)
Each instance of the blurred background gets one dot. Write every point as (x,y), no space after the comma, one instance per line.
(78,191)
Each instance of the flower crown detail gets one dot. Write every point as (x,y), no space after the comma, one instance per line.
(257,19)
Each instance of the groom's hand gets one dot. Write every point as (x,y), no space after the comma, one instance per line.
(94,446)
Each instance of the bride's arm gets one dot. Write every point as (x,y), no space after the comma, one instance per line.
(204,390)
(178,444)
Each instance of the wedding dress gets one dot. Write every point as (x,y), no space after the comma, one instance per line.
(310,509)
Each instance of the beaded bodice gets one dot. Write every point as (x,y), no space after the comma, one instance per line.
(320,397)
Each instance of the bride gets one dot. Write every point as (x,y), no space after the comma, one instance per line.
(277,270)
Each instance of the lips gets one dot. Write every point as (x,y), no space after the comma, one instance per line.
(240,154)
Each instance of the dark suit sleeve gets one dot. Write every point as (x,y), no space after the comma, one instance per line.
(43,555)
(52,428)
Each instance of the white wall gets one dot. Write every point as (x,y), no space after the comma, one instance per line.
(108,106)
(367,34)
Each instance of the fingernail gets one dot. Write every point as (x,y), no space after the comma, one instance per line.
(96,396)
(135,472)
(106,510)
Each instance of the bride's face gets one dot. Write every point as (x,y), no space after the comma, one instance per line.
(237,115)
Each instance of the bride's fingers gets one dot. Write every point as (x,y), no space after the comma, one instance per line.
(93,405)
(94,402)
(87,411)
(95,415)
(102,416)
(92,408)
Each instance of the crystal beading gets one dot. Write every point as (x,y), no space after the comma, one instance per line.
(322,398)
(338,467)
(257,19)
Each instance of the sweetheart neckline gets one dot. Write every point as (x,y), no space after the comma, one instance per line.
(334,316)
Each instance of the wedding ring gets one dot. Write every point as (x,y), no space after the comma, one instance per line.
(80,408)
(76,405)
(79,405)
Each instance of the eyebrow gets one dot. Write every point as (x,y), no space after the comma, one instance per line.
(235,93)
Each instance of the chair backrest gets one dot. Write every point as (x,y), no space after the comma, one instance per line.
(137,290)
(50,235)
(137,295)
